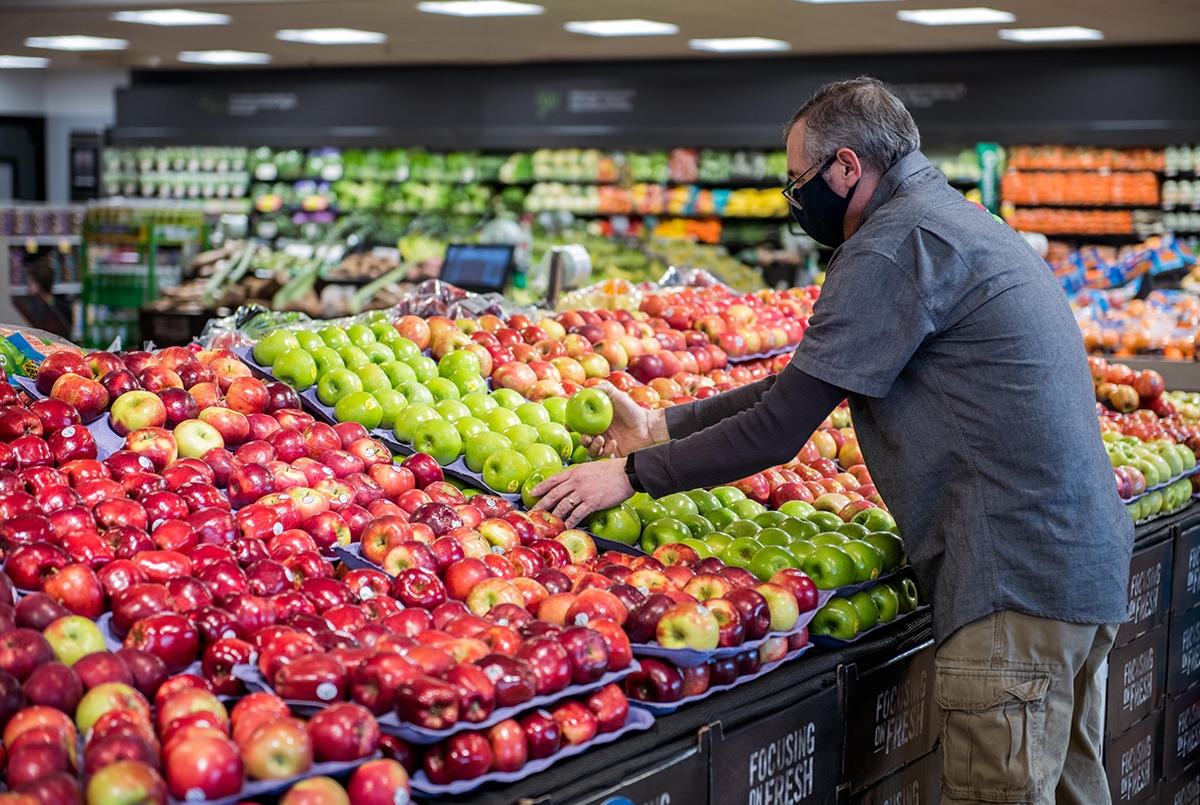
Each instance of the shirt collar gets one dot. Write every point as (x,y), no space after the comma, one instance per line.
(893,179)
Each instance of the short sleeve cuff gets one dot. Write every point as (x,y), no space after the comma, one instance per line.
(852,381)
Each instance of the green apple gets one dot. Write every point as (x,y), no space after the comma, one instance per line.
(505,470)
(373,378)
(416,392)
(720,518)
(887,603)
(442,389)
(482,445)
(296,368)
(797,508)
(452,410)
(852,530)
(438,438)
(360,335)
(352,356)
(360,407)
(704,500)
(557,437)
(73,637)
(618,524)
(579,455)
(727,495)
(890,547)
(378,353)
(769,559)
(391,403)
(536,477)
(769,519)
(309,340)
(327,360)
(837,619)
(500,419)
(521,435)
(679,504)
(459,360)
(742,528)
(336,384)
(702,549)
(273,345)
(408,419)
(541,456)
(424,368)
(868,563)
(556,407)
(383,330)
(589,411)
(648,510)
(508,398)
(829,538)
(663,531)
(868,613)
(697,525)
(875,520)
(467,382)
(404,348)
(479,402)
(741,551)
(747,509)
(532,413)
(907,592)
(828,521)
(773,536)
(800,549)
(829,567)
(718,541)
(468,426)
(800,529)
(334,336)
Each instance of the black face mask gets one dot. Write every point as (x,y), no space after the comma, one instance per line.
(823,212)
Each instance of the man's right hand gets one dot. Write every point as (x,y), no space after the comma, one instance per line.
(633,427)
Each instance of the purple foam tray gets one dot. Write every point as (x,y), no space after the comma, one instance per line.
(662,708)
(639,719)
(771,353)
(824,641)
(390,723)
(1163,485)
(689,656)
(261,788)
(107,440)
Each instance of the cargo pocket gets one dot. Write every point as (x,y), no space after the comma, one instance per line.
(992,728)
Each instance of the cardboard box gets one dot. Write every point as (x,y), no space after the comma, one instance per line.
(1185,578)
(1183,651)
(1149,591)
(918,783)
(1131,762)
(1181,733)
(681,778)
(1183,791)
(891,716)
(1137,675)
(792,756)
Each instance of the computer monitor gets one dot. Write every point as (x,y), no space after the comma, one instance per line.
(482,268)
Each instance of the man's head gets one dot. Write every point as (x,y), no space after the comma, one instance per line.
(850,133)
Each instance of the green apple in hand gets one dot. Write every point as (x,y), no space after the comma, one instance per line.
(408,419)
(505,470)
(589,411)
(391,403)
(482,445)
(296,368)
(556,437)
(829,567)
(837,619)
(662,532)
(273,345)
(479,403)
(336,384)
(360,407)
(618,524)
(438,438)
(887,603)
(508,398)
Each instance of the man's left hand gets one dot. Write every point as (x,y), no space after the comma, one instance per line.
(575,493)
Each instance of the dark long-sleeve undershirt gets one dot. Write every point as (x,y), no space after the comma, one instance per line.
(738,433)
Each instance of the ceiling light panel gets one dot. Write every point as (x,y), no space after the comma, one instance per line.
(76,42)
(224,57)
(481,8)
(330,36)
(955,16)
(23,62)
(170,17)
(1065,33)
(739,44)
(622,28)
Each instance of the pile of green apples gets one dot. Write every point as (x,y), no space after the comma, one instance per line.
(1140,465)
(723,522)
(843,617)
(370,374)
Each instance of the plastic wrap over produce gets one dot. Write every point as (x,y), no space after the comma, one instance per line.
(620,294)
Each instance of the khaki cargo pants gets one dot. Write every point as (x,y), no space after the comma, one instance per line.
(1022,711)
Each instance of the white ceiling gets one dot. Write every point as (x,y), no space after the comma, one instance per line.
(420,38)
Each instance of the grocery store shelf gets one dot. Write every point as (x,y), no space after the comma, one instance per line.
(1178,375)
(41,240)
(59,289)
(1057,206)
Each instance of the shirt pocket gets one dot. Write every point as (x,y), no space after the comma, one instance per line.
(993,726)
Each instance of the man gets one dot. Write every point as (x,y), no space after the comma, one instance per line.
(973,404)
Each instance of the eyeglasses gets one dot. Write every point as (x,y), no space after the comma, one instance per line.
(789,190)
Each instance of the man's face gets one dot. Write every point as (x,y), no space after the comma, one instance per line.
(797,163)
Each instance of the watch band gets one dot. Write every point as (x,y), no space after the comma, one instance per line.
(631,473)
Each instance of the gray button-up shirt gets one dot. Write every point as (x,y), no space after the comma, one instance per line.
(972,401)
